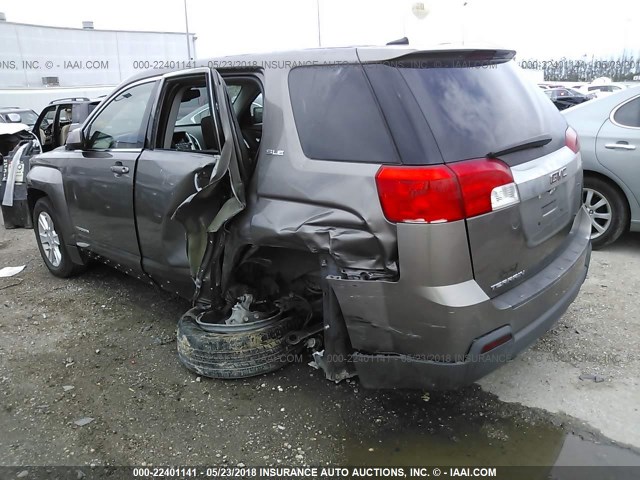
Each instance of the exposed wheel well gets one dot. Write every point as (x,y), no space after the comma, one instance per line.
(33,195)
(285,267)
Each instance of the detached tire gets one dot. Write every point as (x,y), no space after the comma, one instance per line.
(51,242)
(608,210)
(235,355)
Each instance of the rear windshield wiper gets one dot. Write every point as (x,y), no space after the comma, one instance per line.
(535,142)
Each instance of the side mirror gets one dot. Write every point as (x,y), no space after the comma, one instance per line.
(75,140)
(257,114)
(14,117)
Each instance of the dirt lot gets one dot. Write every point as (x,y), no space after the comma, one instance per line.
(102,346)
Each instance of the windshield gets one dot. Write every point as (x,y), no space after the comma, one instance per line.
(27,117)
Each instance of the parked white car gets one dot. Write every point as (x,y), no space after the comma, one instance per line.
(601,89)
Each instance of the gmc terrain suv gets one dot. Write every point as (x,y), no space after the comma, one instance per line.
(410,216)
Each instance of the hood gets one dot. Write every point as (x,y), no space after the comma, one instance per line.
(12,128)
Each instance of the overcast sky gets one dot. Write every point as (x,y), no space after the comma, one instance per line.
(541,29)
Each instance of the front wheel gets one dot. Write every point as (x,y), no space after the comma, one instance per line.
(51,242)
(607,209)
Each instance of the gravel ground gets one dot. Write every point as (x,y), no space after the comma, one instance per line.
(588,366)
(89,375)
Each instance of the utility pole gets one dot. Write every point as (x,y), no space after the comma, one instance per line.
(319,32)
(464,21)
(186,24)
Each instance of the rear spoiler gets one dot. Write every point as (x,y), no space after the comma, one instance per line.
(451,58)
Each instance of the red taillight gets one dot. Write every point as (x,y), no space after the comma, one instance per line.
(478,179)
(419,194)
(444,193)
(571,140)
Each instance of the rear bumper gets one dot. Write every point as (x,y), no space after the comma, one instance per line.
(415,340)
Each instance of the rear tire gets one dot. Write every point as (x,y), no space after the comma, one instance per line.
(235,355)
(608,210)
(51,242)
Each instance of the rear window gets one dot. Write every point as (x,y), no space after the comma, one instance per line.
(472,111)
(337,116)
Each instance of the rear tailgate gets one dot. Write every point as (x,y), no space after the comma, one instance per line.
(478,110)
(512,244)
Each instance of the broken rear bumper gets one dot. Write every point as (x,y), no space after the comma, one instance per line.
(412,338)
(403,371)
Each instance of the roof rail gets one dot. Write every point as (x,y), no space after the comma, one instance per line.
(70,99)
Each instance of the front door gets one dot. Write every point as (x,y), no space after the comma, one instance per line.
(98,180)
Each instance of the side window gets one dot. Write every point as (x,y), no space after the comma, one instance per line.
(185,121)
(49,117)
(123,121)
(65,114)
(628,114)
(337,116)
(234,91)
(45,129)
(257,109)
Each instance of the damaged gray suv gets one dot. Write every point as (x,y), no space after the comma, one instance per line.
(412,217)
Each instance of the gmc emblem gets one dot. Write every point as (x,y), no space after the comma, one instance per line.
(555,177)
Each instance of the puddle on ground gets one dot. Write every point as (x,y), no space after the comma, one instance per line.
(490,441)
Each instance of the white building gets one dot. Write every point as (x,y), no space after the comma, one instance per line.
(39,64)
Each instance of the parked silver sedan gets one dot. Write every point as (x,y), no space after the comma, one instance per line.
(609,132)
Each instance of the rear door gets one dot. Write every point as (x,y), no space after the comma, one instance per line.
(478,106)
(189,175)
(618,143)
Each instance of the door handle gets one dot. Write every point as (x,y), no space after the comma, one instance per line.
(119,169)
(619,146)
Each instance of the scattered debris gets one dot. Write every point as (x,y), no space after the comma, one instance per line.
(426,397)
(321,364)
(84,421)
(589,376)
(68,388)
(7,272)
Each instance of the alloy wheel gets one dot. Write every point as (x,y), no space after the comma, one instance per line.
(49,239)
(599,210)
